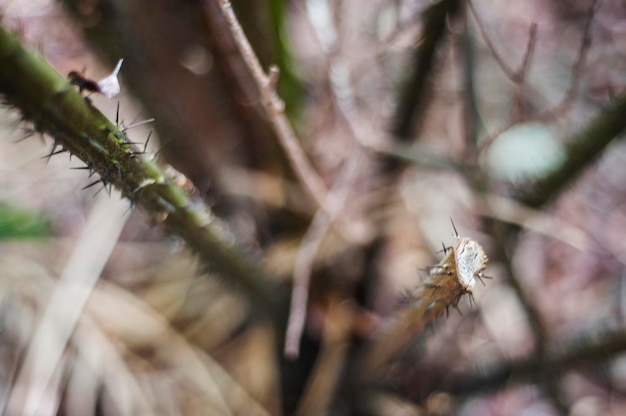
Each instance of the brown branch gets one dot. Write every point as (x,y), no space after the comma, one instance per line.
(581,151)
(411,102)
(530,49)
(592,348)
(585,43)
(274,108)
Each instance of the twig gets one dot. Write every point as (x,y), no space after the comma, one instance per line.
(530,48)
(411,101)
(560,108)
(301,280)
(516,76)
(311,241)
(593,348)
(274,109)
(509,211)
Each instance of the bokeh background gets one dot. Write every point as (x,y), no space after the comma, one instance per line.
(411,113)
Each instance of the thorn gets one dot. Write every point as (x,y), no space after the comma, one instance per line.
(99,190)
(90,185)
(145,146)
(28,133)
(444,250)
(86,167)
(58,152)
(456,306)
(456,233)
(104,186)
(130,209)
(472,301)
(53,152)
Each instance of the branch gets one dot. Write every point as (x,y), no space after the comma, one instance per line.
(581,151)
(55,107)
(559,109)
(411,102)
(594,348)
(274,108)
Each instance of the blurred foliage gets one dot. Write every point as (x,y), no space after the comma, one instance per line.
(20,223)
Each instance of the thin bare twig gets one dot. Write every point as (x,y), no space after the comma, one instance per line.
(530,49)
(516,76)
(274,108)
(337,197)
(412,99)
(301,280)
(330,205)
(559,109)
(311,241)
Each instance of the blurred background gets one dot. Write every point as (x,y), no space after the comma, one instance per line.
(411,113)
